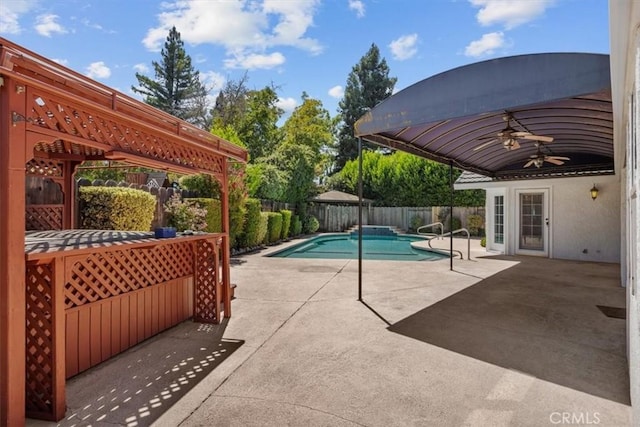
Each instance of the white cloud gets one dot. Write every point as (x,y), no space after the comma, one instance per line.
(255,61)
(98,70)
(404,47)
(287,104)
(46,25)
(10,12)
(336,92)
(141,68)
(487,44)
(358,7)
(246,29)
(212,80)
(509,13)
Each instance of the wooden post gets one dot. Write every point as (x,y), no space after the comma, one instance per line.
(69,190)
(226,246)
(59,340)
(12,261)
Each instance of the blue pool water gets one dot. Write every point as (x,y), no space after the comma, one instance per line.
(345,246)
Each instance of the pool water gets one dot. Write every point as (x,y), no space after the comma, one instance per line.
(345,246)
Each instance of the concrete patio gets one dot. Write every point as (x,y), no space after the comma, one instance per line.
(500,341)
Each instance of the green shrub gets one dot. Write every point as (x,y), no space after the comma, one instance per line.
(249,237)
(236,220)
(213,216)
(310,225)
(475,223)
(296,226)
(456,223)
(416,222)
(185,216)
(274,227)
(263,228)
(483,242)
(116,208)
(286,223)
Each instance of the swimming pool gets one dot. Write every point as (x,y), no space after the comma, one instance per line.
(345,246)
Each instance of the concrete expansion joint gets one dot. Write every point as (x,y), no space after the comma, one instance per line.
(297,405)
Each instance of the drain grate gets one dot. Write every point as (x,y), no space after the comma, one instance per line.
(614,312)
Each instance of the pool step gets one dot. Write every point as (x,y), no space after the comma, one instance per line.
(375,230)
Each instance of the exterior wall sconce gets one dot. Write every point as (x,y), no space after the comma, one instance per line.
(594,192)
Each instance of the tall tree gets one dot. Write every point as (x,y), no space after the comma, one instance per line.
(301,154)
(231,103)
(176,88)
(367,85)
(258,127)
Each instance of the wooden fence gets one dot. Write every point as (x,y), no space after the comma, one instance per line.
(335,218)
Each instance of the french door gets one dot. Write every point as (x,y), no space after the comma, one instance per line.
(533,222)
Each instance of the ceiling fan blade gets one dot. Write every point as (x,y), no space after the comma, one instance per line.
(541,138)
(529,163)
(554,161)
(558,158)
(480,147)
(520,134)
(515,145)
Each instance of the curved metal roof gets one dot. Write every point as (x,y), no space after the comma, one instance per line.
(446,117)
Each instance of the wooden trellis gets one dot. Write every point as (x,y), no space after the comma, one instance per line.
(51,120)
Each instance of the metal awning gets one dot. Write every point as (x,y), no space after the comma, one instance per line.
(447,117)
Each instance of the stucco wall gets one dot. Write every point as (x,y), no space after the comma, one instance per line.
(624,32)
(585,229)
(580,228)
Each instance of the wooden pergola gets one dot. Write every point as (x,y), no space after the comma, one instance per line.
(51,120)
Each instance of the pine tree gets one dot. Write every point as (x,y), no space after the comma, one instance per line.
(176,87)
(367,85)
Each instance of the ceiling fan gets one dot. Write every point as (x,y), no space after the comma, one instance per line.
(508,136)
(539,158)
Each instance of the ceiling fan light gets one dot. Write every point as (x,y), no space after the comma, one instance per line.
(538,162)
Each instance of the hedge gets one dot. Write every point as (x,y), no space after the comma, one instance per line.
(296,226)
(214,212)
(274,227)
(249,237)
(310,225)
(286,223)
(116,208)
(263,228)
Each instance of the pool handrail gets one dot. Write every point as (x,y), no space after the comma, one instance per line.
(460,230)
(433,235)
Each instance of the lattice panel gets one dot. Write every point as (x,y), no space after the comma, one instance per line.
(39,361)
(207,290)
(44,217)
(45,167)
(105,274)
(66,116)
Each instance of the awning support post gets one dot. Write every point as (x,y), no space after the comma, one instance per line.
(359,219)
(451,216)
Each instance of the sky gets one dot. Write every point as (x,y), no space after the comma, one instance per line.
(298,45)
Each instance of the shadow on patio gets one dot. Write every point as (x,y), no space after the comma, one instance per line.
(139,385)
(539,317)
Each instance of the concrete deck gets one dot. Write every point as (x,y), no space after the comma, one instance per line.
(500,341)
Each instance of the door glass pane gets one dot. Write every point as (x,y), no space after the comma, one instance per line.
(498,231)
(531,222)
